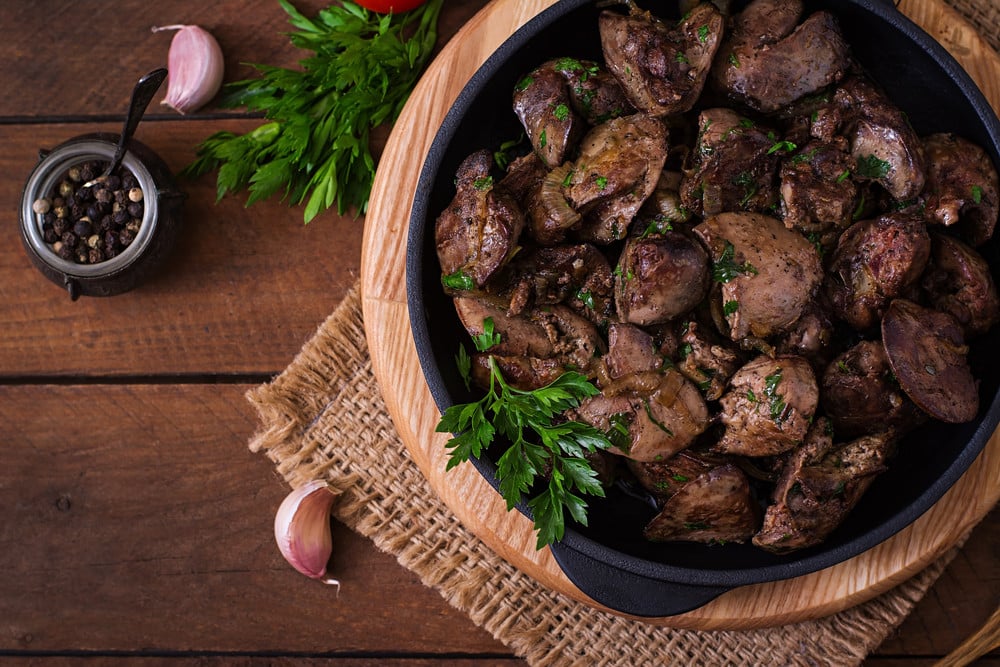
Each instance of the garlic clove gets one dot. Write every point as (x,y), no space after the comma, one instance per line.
(302,529)
(195,67)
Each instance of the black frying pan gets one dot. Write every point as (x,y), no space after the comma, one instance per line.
(609,560)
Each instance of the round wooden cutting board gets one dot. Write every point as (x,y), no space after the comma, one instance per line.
(473,500)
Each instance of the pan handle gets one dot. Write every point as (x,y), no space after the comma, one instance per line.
(627,592)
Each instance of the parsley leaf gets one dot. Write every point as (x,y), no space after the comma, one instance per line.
(488,338)
(872,167)
(314,149)
(725,269)
(527,420)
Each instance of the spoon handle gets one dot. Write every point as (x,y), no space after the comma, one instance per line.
(976,645)
(142,95)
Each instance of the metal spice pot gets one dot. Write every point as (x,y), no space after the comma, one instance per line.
(155,237)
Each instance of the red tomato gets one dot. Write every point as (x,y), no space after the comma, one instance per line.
(386,6)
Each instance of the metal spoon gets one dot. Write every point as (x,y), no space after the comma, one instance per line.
(142,95)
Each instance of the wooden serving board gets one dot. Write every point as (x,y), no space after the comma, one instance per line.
(473,500)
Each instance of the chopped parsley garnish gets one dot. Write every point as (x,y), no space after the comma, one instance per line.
(785,146)
(777,403)
(730,307)
(568,180)
(749,184)
(733,59)
(618,432)
(703,34)
(601,181)
(568,65)
(681,57)
(977,194)
(458,280)
(541,450)
(805,157)
(561,112)
(872,167)
(543,140)
(860,210)
(844,175)
(657,225)
(817,241)
(587,297)
(660,425)
(502,155)
(464,363)
(524,83)
(725,269)
(483,183)
(679,478)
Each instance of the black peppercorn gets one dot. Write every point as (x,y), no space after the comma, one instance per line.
(63,250)
(82,227)
(91,224)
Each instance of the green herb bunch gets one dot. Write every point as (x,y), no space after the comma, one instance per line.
(315,147)
(542,445)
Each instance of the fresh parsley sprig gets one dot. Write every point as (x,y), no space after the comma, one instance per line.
(315,147)
(541,445)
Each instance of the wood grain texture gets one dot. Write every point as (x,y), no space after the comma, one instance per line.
(146,526)
(194,579)
(203,311)
(474,501)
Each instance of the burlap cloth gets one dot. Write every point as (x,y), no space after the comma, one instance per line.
(329,390)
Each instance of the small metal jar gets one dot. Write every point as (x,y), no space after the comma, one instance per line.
(159,228)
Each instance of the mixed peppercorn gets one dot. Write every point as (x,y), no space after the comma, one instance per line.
(88,218)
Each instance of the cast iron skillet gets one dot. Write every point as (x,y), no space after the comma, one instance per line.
(609,560)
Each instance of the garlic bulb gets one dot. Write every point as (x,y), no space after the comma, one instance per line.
(195,67)
(302,529)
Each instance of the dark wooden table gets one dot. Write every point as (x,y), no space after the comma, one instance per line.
(137,527)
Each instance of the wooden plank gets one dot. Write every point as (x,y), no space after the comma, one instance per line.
(94,52)
(959,603)
(203,313)
(135,519)
(145,525)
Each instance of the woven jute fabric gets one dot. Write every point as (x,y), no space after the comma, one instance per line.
(329,390)
(984,15)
